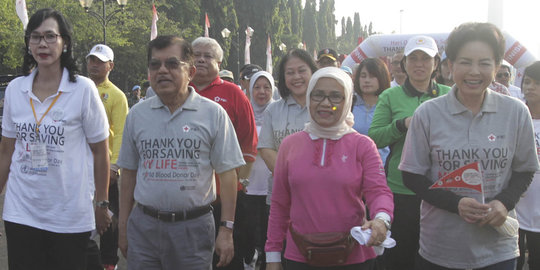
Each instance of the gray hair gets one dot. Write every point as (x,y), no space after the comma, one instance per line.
(206,41)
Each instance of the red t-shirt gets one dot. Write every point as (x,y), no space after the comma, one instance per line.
(237,105)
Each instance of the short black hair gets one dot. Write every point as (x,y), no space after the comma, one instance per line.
(474,31)
(376,67)
(162,42)
(302,55)
(533,72)
(66,59)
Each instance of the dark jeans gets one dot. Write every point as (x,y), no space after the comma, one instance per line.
(406,232)
(293,265)
(108,244)
(257,225)
(30,248)
(530,241)
(239,233)
(423,264)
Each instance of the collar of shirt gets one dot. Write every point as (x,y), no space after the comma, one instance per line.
(215,82)
(192,102)
(65,84)
(489,104)
(410,90)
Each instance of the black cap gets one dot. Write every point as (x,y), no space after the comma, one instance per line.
(330,53)
(248,70)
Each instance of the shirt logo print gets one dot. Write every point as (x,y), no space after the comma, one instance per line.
(186,128)
(344,158)
(492,137)
(218,99)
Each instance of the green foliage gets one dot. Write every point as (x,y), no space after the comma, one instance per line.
(128,31)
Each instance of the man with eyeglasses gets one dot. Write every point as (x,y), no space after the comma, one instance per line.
(99,64)
(173,143)
(208,57)
(504,76)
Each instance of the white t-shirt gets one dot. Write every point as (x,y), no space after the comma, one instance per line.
(58,197)
(528,207)
(258,180)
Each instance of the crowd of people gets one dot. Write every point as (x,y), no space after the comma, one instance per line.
(437,150)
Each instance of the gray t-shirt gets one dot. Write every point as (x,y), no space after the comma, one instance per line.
(444,136)
(175,155)
(281,119)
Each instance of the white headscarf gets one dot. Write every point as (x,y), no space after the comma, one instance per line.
(346,120)
(258,109)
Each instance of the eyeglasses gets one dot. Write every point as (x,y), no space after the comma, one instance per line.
(320,97)
(170,64)
(504,74)
(48,37)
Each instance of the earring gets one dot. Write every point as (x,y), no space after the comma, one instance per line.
(65,49)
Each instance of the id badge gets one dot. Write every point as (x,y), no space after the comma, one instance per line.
(38,152)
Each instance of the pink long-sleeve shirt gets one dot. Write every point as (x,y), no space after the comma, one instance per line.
(319,185)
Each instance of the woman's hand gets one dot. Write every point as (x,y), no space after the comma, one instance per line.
(497,214)
(472,211)
(378,232)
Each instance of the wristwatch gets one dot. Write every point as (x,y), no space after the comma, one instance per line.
(102,204)
(386,222)
(227,224)
(244,182)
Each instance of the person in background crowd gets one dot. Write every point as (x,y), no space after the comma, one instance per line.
(327,58)
(208,56)
(261,91)
(444,76)
(226,75)
(288,115)
(468,217)
(54,153)
(391,119)
(327,166)
(527,210)
(371,79)
(504,77)
(245,75)
(99,64)
(135,96)
(347,70)
(171,225)
(398,74)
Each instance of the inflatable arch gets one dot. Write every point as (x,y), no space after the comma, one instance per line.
(386,45)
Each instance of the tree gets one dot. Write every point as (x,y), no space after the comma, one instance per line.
(310,34)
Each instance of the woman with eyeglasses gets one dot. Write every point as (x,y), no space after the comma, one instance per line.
(53,154)
(470,155)
(391,119)
(321,176)
(527,210)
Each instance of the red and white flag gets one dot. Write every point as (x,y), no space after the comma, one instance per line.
(249,33)
(468,176)
(269,66)
(206,25)
(153,29)
(20,8)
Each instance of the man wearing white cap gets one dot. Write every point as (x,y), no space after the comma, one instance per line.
(99,63)
(391,119)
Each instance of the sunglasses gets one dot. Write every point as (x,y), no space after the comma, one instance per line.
(504,74)
(170,64)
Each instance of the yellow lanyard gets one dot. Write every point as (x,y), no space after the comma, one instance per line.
(47,111)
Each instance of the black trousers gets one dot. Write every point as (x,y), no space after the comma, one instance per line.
(108,244)
(531,241)
(30,248)
(406,232)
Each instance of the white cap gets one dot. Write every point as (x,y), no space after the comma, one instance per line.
(423,43)
(103,52)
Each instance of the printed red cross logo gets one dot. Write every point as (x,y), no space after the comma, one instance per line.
(186,128)
(491,138)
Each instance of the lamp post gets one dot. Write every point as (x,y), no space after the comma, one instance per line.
(103,18)
(226,33)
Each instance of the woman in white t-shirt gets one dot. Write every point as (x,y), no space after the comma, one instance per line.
(528,207)
(53,154)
